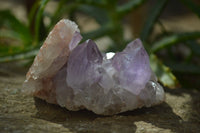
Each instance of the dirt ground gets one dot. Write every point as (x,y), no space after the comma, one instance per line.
(19,113)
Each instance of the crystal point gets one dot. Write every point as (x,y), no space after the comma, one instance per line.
(82,65)
(133,67)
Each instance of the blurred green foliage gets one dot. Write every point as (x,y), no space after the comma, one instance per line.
(109,15)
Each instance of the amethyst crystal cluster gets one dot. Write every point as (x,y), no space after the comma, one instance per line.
(81,77)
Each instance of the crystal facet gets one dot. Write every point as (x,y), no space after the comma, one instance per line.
(81,77)
(133,67)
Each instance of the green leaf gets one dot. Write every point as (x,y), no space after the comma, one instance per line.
(97,13)
(38,20)
(174,39)
(32,12)
(62,8)
(10,34)
(130,5)
(164,74)
(10,22)
(184,68)
(10,50)
(102,31)
(96,3)
(194,46)
(20,56)
(153,16)
(194,7)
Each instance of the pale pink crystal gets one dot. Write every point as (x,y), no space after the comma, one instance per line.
(52,56)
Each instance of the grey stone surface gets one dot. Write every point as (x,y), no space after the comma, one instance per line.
(20,113)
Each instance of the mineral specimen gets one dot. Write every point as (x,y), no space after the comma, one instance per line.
(81,77)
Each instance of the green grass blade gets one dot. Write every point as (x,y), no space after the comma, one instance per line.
(97,13)
(10,22)
(153,16)
(185,68)
(174,39)
(32,12)
(130,5)
(20,56)
(96,3)
(193,7)
(10,50)
(38,20)
(62,8)
(164,74)
(9,34)
(102,31)
(194,46)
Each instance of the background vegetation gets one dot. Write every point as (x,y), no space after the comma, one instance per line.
(21,41)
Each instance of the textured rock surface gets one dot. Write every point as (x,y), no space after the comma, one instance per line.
(22,114)
(78,77)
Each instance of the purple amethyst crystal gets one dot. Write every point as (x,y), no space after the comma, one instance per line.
(83,63)
(81,76)
(133,68)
